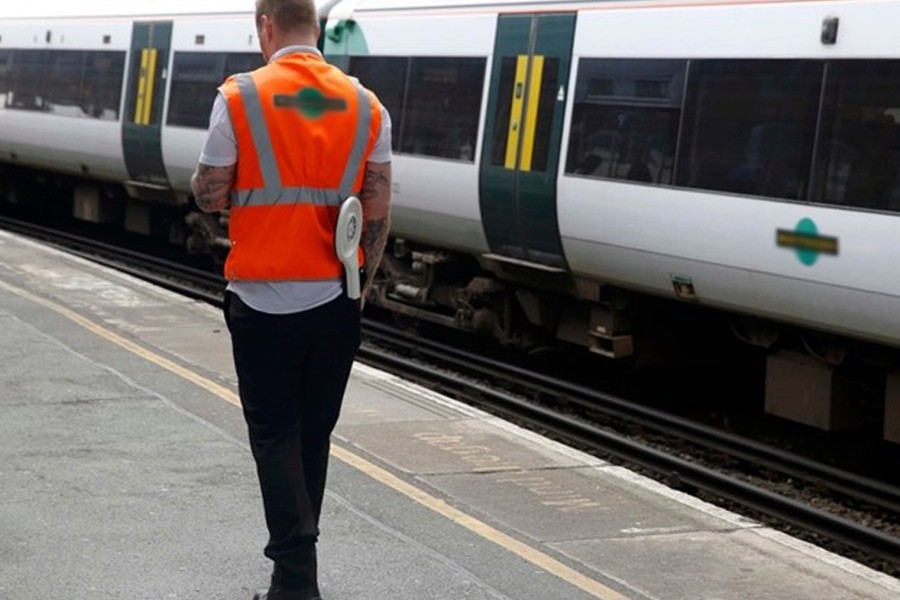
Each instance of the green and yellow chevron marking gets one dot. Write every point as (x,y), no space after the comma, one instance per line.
(807,242)
(312,103)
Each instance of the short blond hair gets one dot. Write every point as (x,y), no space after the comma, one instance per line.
(289,15)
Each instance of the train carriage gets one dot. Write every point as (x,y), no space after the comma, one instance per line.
(556,163)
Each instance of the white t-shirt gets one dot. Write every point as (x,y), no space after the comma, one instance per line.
(281,297)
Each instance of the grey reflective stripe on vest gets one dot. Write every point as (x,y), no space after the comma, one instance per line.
(273,193)
(261,140)
(364,118)
(289,195)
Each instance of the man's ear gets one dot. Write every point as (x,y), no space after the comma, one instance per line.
(264,33)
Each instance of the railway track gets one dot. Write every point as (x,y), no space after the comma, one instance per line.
(571,412)
(535,399)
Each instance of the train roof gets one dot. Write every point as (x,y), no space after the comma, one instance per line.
(524,5)
(117,8)
(113,8)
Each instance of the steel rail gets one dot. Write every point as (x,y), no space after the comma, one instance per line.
(176,277)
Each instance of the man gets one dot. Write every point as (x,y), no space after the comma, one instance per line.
(287,144)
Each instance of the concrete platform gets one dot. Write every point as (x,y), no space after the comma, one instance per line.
(124,473)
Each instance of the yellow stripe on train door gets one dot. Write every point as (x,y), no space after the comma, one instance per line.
(151,85)
(534,99)
(142,86)
(515,116)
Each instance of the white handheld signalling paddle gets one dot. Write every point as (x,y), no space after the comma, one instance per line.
(346,242)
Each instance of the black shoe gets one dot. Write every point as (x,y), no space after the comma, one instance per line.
(283,594)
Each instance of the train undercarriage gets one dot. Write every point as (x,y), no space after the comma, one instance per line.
(820,380)
(108,205)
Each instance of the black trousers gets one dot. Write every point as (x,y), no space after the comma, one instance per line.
(292,372)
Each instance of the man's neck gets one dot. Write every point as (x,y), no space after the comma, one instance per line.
(294,40)
(293,49)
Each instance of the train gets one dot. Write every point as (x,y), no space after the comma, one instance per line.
(586,172)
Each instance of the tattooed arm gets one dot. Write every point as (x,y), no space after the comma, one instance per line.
(212,186)
(376,201)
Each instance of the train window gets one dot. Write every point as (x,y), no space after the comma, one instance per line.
(71,83)
(62,89)
(386,77)
(625,119)
(859,150)
(195,78)
(750,126)
(442,108)
(28,71)
(508,66)
(101,85)
(243,62)
(5,76)
(544,119)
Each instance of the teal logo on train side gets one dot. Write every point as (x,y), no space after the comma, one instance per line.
(805,240)
(344,37)
(311,102)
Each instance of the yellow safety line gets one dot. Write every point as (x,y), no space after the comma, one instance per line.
(534,100)
(151,85)
(520,549)
(127,344)
(515,113)
(142,85)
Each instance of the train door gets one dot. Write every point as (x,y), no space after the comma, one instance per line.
(142,122)
(520,160)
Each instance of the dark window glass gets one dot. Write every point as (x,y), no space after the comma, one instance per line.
(196,77)
(65,82)
(443,107)
(508,67)
(859,151)
(5,75)
(544,115)
(243,62)
(29,67)
(102,84)
(386,77)
(750,126)
(625,119)
(62,87)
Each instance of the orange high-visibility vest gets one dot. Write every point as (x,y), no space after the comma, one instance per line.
(304,132)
